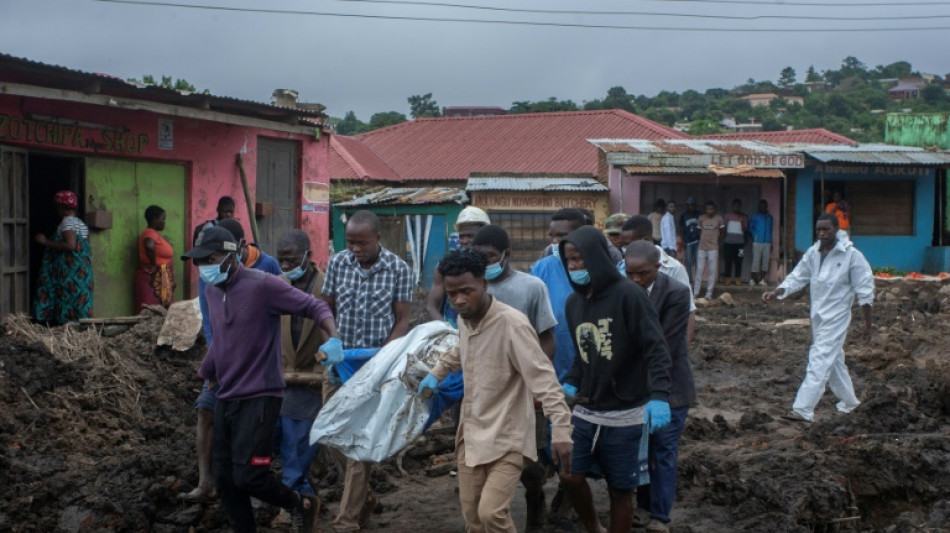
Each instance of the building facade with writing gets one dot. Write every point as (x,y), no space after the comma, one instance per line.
(642,172)
(891,194)
(122,147)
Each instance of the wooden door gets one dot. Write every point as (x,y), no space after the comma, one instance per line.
(277,190)
(14,237)
(125,189)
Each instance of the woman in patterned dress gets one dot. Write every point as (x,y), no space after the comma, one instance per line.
(65,285)
(154,279)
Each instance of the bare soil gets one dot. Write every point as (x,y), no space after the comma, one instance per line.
(74,458)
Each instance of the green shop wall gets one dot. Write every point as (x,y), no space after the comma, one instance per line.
(394,230)
(126,188)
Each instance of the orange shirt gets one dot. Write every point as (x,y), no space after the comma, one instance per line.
(844,219)
(163,249)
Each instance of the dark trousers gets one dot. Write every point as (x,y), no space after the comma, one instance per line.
(243,443)
(658,496)
(733,259)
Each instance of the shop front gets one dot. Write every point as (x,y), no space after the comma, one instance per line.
(524,205)
(122,148)
(642,172)
(891,196)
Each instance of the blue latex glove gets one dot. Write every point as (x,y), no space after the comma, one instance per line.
(657,414)
(334,350)
(570,391)
(429,382)
(332,376)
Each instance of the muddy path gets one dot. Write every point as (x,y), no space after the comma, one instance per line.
(81,450)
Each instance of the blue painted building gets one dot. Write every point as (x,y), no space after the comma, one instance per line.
(891,191)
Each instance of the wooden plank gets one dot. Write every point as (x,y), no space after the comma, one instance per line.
(112,320)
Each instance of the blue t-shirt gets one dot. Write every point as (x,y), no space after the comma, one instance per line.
(551,271)
(760,226)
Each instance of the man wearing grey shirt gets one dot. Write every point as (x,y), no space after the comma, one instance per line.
(529,295)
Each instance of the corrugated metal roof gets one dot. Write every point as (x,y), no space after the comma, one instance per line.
(410,196)
(20,70)
(810,136)
(877,154)
(452,148)
(685,153)
(353,160)
(508,183)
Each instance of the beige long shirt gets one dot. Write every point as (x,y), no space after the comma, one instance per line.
(504,370)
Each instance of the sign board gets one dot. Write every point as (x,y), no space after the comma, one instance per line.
(166,134)
(762,160)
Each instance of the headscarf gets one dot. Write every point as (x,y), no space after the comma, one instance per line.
(67,199)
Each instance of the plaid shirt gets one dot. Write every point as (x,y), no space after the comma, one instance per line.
(364,301)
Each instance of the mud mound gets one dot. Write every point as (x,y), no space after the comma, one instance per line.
(94,436)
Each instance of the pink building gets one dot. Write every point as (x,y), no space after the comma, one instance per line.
(123,147)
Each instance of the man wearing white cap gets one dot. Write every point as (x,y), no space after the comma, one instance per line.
(470,220)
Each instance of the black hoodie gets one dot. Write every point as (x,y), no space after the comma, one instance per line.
(622,360)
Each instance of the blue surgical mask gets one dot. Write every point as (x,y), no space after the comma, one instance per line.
(580,277)
(212,275)
(494,270)
(555,250)
(298,271)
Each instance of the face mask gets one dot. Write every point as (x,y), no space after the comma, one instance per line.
(580,277)
(494,270)
(212,275)
(298,271)
(555,250)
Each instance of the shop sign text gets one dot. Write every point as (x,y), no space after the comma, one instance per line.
(535,203)
(14,128)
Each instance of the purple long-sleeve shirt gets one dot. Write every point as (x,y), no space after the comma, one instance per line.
(245,318)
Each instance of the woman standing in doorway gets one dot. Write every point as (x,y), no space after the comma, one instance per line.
(65,285)
(154,279)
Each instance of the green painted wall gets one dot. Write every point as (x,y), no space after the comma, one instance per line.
(450,211)
(126,188)
(924,130)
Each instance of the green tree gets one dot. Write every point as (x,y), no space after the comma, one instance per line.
(852,66)
(168,82)
(617,98)
(787,77)
(387,118)
(704,127)
(933,94)
(894,70)
(811,75)
(423,106)
(350,125)
(543,106)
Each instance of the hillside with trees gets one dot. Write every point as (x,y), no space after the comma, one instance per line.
(852,100)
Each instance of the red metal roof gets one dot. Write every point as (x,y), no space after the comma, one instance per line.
(452,148)
(811,136)
(352,160)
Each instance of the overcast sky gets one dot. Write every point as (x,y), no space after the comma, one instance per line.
(369,65)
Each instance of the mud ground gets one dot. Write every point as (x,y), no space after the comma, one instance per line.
(81,451)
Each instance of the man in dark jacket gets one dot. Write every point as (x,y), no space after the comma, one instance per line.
(620,379)
(670,298)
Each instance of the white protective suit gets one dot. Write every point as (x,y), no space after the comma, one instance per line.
(844,274)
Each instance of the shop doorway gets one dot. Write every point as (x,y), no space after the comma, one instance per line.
(49,174)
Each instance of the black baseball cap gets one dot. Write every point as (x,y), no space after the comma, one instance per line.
(211,240)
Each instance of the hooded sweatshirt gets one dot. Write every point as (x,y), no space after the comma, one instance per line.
(622,360)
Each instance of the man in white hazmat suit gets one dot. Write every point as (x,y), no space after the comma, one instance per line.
(837,272)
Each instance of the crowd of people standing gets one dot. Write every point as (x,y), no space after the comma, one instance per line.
(578,369)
